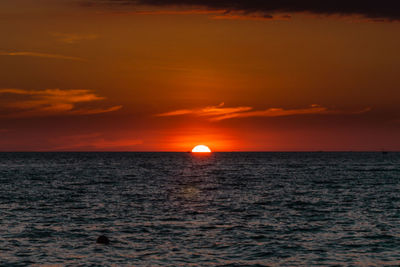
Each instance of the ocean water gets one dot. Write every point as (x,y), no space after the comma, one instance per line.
(178,209)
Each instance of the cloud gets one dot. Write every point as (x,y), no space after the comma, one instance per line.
(218,113)
(41,55)
(95,110)
(211,111)
(73,38)
(94,142)
(214,14)
(384,9)
(257,17)
(177,12)
(29,103)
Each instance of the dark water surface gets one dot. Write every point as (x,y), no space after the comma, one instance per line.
(176,209)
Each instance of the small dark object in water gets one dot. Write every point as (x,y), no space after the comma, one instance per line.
(103,240)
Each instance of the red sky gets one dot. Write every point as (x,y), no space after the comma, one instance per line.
(94,76)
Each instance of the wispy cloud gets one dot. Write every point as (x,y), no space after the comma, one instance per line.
(257,17)
(211,111)
(218,113)
(216,14)
(385,9)
(175,12)
(50,102)
(40,55)
(73,38)
(94,142)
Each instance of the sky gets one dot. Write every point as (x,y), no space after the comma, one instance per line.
(152,75)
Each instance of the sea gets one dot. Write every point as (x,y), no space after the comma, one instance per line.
(183,209)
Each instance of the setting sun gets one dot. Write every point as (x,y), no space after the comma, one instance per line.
(201,149)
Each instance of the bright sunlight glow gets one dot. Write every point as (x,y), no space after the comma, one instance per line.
(201,149)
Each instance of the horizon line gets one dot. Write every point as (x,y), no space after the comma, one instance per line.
(233,151)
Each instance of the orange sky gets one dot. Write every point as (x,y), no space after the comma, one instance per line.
(80,77)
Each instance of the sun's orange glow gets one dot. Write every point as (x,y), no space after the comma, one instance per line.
(201,149)
(159,94)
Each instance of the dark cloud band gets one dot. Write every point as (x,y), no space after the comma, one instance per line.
(374,9)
